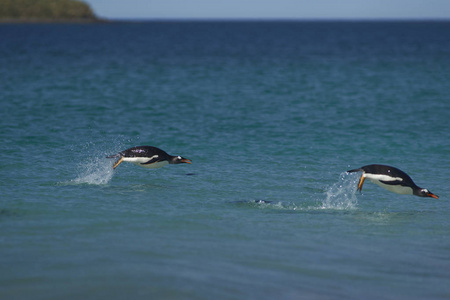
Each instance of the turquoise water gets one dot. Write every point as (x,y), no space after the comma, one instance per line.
(271,114)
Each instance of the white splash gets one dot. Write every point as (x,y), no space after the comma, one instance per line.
(95,171)
(94,168)
(342,194)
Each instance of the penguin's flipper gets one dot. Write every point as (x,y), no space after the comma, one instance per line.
(153,159)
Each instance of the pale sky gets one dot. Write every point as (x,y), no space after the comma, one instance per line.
(271,9)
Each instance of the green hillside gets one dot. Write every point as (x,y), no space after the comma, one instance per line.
(45,10)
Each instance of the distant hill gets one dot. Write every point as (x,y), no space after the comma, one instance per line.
(45,10)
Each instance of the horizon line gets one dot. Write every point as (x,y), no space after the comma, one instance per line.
(270,19)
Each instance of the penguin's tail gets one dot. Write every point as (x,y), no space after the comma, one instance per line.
(354,170)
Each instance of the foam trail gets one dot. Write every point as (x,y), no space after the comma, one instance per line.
(342,194)
(266,204)
(96,171)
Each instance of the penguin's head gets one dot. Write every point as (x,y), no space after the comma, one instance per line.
(427,193)
(179,160)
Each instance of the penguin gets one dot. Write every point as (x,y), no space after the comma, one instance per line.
(147,157)
(392,179)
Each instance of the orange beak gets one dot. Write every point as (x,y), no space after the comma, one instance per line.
(433,195)
(188,161)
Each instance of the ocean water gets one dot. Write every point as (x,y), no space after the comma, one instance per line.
(272,114)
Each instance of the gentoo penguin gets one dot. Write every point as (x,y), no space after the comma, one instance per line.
(147,157)
(392,179)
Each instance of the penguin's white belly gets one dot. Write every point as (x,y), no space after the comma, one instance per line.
(155,165)
(140,161)
(398,189)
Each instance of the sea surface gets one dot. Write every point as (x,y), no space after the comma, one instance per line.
(272,115)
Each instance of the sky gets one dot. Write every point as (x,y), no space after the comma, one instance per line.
(271,9)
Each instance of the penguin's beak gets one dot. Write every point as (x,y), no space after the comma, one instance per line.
(430,194)
(185,160)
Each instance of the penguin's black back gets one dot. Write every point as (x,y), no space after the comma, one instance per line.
(144,151)
(389,171)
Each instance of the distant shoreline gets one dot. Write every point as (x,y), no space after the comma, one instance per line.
(46,11)
(50,21)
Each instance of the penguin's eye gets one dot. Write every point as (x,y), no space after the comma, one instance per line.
(424,192)
(179,157)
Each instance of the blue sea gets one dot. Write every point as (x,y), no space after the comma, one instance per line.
(272,115)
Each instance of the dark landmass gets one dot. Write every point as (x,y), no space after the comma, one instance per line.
(46,11)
